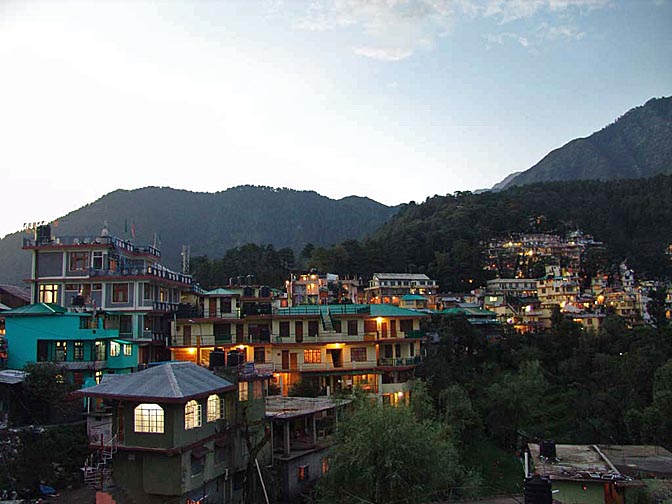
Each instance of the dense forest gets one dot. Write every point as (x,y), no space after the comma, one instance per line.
(445,235)
(636,145)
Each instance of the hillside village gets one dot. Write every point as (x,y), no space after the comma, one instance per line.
(214,395)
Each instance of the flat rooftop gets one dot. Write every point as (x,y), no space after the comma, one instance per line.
(278,407)
(640,460)
(574,463)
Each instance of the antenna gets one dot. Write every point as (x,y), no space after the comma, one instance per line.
(186,253)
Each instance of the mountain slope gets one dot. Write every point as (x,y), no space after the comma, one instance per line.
(638,144)
(211,222)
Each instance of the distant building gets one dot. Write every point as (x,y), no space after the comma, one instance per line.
(388,288)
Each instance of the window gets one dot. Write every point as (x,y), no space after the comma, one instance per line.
(358,354)
(243,391)
(128,350)
(387,351)
(406,325)
(149,418)
(197,464)
(97,286)
(125,324)
(97,260)
(192,415)
(259,355)
(302,473)
(115,349)
(61,351)
(284,329)
(48,293)
(120,293)
(186,335)
(370,326)
(411,349)
(312,356)
(337,326)
(78,261)
(352,328)
(298,331)
(225,305)
(98,376)
(84,323)
(214,408)
(78,354)
(147,292)
(99,353)
(72,287)
(312,327)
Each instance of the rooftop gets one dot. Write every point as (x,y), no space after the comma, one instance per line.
(19,292)
(37,309)
(401,276)
(170,382)
(640,460)
(279,407)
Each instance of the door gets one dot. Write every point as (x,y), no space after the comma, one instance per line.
(285,359)
(383,329)
(293,361)
(212,307)
(298,331)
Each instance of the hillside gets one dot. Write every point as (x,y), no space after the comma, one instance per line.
(211,222)
(638,144)
(444,236)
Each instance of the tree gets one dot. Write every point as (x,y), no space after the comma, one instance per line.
(385,454)
(45,392)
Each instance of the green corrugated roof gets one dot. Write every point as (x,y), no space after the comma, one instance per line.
(37,309)
(413,297)
(467,312)
(388,310)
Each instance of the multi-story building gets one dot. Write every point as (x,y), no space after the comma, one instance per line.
(519,287)
(79,341)
(106,273)
(388,288)
(330,347)
(316,288)
(173,433)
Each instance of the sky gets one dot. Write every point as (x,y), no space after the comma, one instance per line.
(397,100)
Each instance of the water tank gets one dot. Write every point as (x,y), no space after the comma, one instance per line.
(43,234)
(547,449)
(235,358)
(217,358)
(538,490)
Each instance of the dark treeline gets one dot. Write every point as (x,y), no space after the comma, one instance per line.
(267,265)
(613,386)
(444,236)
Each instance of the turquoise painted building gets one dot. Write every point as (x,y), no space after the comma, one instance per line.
(81,341)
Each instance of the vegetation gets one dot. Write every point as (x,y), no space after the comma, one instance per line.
(445,236)
(390,454)
(45,392)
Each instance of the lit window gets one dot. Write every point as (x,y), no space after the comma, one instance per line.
(48,293)
(192,415)
(98,376)
(302,473)
(312,356)
(79,351)
(243,391)
(128,350)
(115,349)
(99,352)
(120,293)
(214,408)
(61,353)
(149,418)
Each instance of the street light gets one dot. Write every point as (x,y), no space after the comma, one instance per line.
(198,342)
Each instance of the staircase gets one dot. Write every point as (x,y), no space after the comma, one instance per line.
(327,321)
(97,468)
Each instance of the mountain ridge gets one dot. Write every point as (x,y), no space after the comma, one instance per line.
(637,144)
(210,223)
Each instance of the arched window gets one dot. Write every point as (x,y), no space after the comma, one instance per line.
(149,418)
(192,415)
(214,408)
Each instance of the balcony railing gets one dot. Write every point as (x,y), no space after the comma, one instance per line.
(415,334)
(165,306)
(93,240)
(401,361)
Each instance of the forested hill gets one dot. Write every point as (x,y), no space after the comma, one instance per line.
(211,222)
(444,236)
(638,144)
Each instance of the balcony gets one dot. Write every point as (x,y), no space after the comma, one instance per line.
(164,306)
(92,240)
(329,366)
(400,361)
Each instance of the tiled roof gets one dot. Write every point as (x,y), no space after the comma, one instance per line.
(388,310)
(37,309)
(169,382)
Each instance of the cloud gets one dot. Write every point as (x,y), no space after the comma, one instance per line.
(383,54)
(501,38)
(394,30)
